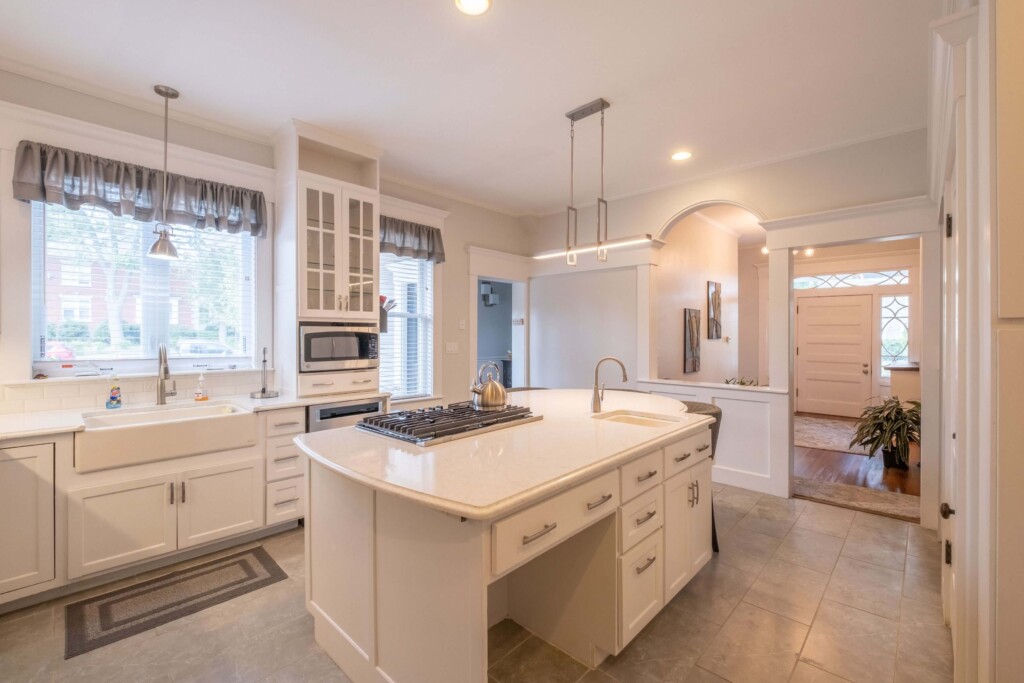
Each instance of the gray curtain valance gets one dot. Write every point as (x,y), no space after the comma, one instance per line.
(405,238)
(62,176)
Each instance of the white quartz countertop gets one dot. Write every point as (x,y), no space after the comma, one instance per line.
(26,425)
(492,474)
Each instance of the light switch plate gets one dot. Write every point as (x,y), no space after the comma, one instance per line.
(462,324)
(451,347)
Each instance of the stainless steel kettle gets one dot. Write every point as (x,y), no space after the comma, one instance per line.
(489,394)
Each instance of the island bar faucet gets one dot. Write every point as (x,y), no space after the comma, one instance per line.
(595,405)
(163,375)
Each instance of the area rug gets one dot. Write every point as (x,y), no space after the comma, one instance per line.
(898,505)
(825,434)
(108,618)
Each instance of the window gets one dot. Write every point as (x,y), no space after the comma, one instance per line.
(836,280)
(895,330)
(98,297)
(407,348)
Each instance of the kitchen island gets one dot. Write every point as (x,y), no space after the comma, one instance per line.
(580,527)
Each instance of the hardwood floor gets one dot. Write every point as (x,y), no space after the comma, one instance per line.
(857,470)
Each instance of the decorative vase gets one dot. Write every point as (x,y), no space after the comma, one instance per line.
(889,459)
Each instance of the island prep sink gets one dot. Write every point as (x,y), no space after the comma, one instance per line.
(632,417)
(133,436)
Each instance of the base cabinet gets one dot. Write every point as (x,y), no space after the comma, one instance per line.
(26,516)
(641,586)
(119,523)
(687,526)
(700,517)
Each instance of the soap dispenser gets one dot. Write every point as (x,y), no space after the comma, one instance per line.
(201,394)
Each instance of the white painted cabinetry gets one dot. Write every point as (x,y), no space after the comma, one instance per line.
(286,465)
(121,522)
(641,586)
(338,248)
(687,525)
(26,516)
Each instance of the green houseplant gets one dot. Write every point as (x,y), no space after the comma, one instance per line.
(892,426)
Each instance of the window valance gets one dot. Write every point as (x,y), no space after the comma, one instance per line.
(62,176)
(405,238)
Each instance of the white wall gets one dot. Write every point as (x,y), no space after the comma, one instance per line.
(578,318)
(748,342)
(694,253)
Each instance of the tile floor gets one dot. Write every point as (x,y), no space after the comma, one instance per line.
(800,592)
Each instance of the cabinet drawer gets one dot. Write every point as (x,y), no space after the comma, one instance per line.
(641,475)
(284,459)
(687,452)
(530,532)
(291,421)
(640,516)
(641,588)
(286,500)
(321,383)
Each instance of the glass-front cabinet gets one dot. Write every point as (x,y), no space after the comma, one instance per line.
(338,251)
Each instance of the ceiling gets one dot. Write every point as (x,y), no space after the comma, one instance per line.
(474,106)
(734,220)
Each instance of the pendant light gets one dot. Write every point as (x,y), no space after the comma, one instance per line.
(163,249)
(572,247)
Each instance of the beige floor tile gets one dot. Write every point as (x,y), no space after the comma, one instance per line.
(714,592)
(746,549)
(805,673)
(852,644)
(923,542)
(881,548)
(502,638)
(866,586)
(923,580)
(811,549)
(788,589)
(826,519)
(593,676)
(726,519)
(737,499)
(925,655)
(670,644)
(315,668)
(885,526)
(755,645)
(915,613)
(535,661)
(772,516)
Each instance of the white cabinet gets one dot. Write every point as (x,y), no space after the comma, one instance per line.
(641,586)
(338,251)
(286,465)
(113,524)
(220,501)
(687,525)
(26,516)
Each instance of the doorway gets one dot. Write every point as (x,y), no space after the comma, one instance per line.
(501,329)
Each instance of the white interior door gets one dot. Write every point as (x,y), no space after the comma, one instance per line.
(834,354)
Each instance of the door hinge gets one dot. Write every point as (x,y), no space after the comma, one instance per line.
(798,392)
(798,350)
(949,225)
(949,552)
(798,309)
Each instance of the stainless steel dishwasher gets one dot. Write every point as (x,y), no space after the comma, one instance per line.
(343,413)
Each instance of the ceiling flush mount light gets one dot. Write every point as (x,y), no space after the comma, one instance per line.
(163,249)
(473,8)
(571,215)
(681,156)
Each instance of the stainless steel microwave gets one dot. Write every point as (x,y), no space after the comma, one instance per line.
(325,347)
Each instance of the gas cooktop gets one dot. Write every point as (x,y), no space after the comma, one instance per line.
(439,424)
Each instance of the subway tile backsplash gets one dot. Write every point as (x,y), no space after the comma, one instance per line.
(82,394)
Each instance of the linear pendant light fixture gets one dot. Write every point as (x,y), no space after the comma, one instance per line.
(603,244)
(163,249)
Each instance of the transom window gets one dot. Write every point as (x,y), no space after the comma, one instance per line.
(407,348)
(100,302)
(879,278)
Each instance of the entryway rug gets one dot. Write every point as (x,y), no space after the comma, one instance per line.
(825,433)
(108,618)
(887,503)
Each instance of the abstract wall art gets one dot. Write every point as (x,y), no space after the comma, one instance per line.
(691,340)
(714,310)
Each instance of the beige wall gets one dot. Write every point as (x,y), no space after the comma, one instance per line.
(747,341)
(694,253)
(467,225)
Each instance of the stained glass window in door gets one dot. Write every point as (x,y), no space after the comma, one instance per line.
(895,330)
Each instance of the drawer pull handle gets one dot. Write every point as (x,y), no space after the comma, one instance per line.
(701,449)
(548,528)
(696,488)
(683,457)
(287,424)
(285,502)
(362,381)
(323,384)
(599,502)
(689,494)
(645,477)
(640,521)
(287,457)
(171,485)
(646,565)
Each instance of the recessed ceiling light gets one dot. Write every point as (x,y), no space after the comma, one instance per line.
(764,250)
(808,252)
(796,252)
(681,156)
(473,8)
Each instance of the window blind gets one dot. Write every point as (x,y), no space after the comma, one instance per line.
(407,348)
(98,298)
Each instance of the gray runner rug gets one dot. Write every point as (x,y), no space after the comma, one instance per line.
(108,618)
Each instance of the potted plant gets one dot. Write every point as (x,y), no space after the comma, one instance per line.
(892,426)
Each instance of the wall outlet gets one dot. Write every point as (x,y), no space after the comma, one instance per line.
(462,324)
(451,347)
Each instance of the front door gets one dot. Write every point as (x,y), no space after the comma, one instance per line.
(833,355)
